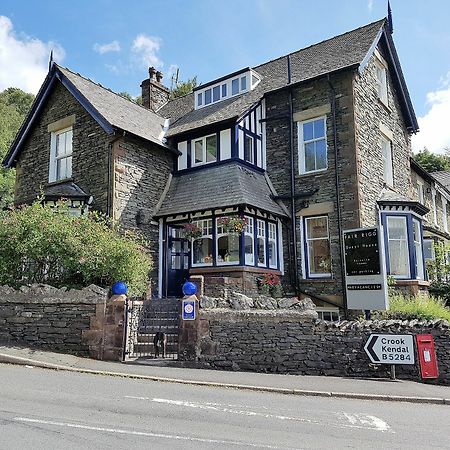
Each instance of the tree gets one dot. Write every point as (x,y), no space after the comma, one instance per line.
(432,162)
(183,88)
(14,106)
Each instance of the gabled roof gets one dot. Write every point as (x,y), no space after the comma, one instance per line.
(113,112)
(349,50)
(219,186)
(443,177)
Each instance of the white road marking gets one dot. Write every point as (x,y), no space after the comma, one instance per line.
(362,421)
(141,433)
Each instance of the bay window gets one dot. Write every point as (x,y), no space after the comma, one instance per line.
(273,251)
(249,242)
(317,246)
(227,246)
(417,237)
(312,145)
(261,241)
(202,246)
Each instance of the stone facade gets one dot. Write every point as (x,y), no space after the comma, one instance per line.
(296,343)
(49,318)
(91,149)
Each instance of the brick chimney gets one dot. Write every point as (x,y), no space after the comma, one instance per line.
(154,93)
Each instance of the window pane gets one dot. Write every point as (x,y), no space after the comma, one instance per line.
(224,90)
(248,149)
(198,151)
(272,253)
(398,258)
(319,257)
(69,142)
(249,254)
(308,129)
(235,87)
(199,99)
(317,227)
(319,128)
(243,83)
(261,251)
(321,154)
(68,167)
(61,169)
(216,94)
(60,144)
(397,228)
(207,96)
(310,160)
(428,249)
(211,148)
(202,251)
(228,249)
(175,262)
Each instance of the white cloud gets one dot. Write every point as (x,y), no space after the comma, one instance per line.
(23,59)
(113,46)
(434,125)
(370,5)
(145,51)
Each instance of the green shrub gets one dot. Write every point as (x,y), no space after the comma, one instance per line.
(47,245)
(419,307)
(440,289)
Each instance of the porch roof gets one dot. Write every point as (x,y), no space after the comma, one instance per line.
(219,186)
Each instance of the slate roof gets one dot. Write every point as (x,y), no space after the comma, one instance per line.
(65,190)
(340,52)
(443,177)
(388,197)
(220,186)
(117,110)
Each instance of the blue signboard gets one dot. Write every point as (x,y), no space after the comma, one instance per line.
(188,309)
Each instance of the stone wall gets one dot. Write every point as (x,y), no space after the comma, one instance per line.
(49,318)
(295,342)
(90,152)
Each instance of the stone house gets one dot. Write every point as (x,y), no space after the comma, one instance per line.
(294,150)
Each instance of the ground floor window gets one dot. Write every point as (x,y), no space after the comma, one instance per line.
(428,249)
(317,247)
(227,246)
(202,248)
(404,252)
(273,252)
(261,242)
(249,242)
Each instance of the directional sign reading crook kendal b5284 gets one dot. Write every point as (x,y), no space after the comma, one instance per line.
(390,348)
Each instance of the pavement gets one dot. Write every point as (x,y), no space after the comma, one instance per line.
(177,372)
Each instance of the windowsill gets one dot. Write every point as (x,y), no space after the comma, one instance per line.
(410,282)
(218,269)
(313,172)
(385,105)
(56,182)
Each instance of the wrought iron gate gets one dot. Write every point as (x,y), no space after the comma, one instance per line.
(144,320)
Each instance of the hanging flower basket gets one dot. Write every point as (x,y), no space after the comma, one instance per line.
(191,231)
(233,224)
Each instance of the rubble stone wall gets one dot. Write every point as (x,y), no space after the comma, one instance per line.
(295,342)
(45,317)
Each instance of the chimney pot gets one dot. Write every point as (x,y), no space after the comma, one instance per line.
(152,73)
(159,76)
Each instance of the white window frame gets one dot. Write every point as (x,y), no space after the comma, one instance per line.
(208,226)
(203,141)
(418,249)
(381,81)
(308,273)
(408,274)
(261,234)
(427,241)
(272,238)
(252,149)
(386,156)
(302,142)
(249,231)
(334,312)
(52,176)
(222,234)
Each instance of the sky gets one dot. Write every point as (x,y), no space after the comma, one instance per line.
(114,42)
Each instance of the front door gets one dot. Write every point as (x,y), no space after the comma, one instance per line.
(177,260)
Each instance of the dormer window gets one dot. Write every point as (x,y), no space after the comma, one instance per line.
(222,89)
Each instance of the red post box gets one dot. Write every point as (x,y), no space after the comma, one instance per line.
(427,356)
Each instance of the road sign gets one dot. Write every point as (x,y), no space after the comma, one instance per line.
(188,309)
(390,348)
(365,269)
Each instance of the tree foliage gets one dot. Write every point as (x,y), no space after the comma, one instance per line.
(433,162)
(183,88)
(41,244)
(14,106)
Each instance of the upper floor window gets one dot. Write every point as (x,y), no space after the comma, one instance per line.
(444,214)
(382,82)
(317,246)
(249,149)
(61,155)
(204,150)
(386,152)
(312,145)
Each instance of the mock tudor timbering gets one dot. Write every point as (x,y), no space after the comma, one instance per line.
(300,148)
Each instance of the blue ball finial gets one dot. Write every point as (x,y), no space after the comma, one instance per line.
(119,288)
(189,288)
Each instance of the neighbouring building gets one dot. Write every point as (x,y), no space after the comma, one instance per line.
(293,151)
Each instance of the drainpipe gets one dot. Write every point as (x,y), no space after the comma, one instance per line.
(292,161)
(338,196)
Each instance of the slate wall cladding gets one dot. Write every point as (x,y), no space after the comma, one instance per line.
(306,96)
(289,342)
(90,152)
(49,318)
(369,113)
(141,173)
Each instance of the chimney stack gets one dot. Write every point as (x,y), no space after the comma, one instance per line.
(154,93)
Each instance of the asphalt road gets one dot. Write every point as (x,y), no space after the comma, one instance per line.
(44,409)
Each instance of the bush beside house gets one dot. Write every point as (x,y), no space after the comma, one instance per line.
(44,245)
